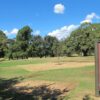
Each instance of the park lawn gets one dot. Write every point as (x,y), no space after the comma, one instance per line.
(12,72)
(9,63)
(13,63)
(83,78)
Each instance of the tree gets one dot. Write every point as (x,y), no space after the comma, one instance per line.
(96,30)
(69,46)
(80,41)
(23,39)
(83,39)
(50,46)
(24,34)
(9,53)
(36,47)
(3,46)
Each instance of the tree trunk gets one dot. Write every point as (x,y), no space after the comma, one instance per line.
(85,52)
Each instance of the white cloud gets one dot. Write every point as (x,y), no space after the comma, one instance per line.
(12,32)
(59,8)
(6,32)
(37,32)
(63,32)
(90,17)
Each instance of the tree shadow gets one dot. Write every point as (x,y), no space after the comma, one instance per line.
(43,92)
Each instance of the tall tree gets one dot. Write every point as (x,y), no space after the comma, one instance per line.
(69,48)
(37,46)
(3,46)
(23,38)
(83,39)
(50,44)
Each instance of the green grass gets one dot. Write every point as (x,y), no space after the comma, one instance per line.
(10,63)
(11,72)
(84,77)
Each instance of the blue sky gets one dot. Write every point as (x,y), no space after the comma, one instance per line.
(54,17)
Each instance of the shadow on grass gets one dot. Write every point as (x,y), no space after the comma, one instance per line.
(9,92)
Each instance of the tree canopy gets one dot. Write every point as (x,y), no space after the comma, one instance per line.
(3,41)
(81,41)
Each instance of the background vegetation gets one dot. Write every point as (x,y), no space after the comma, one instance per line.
(81,42)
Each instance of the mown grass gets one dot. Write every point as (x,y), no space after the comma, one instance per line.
(11,72)
(83,77)
(9,63)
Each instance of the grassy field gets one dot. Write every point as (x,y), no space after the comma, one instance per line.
(81,78)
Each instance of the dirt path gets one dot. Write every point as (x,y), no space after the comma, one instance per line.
(50,66)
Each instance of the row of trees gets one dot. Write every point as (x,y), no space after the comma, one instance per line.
(26,45)
(81,42)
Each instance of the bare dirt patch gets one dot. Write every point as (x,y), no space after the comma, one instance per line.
(58,87)
(17,89)
(50,66)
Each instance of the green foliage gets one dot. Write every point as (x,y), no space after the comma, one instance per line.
(50,46)
(24,34)
(69,50)
(23,38)
(81,41)
(2,36)
(36,47)
(19,48)
(3,46)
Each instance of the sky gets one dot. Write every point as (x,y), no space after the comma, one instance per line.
(47,17)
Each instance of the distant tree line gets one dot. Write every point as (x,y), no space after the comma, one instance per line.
(81,42)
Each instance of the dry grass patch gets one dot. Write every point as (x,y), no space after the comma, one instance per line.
(52,85)
(55,65)
(58,85)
